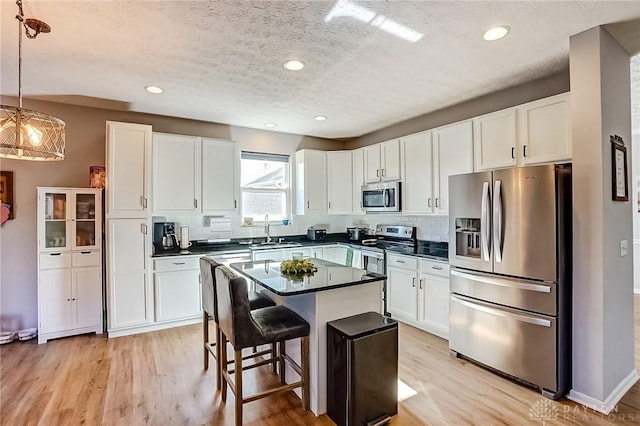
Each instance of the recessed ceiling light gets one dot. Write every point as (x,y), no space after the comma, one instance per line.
(320,117)
(293,65)
(270,125)
(154,89)
(496,33)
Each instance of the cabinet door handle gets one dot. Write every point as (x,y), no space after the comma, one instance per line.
(143,228)
(73,298)
(142,201)
(55,254)
(513,152)
(413,282)
(524,150)
(382,172)
(235,204)
(85,252)
(329,205)
(377,172)
(437,268)
(179,263)
(437,205)
(68,300)
(428,202)
(195,203)
(399,261)
(421,282)
(308,205)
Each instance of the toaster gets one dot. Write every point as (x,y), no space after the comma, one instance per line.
(315,234)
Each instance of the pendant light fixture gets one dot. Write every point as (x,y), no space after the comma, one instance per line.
(26,134)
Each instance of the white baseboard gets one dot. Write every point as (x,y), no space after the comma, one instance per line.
(152,327)
(614,397)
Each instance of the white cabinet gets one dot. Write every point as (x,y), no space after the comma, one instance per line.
(433,301)
(382,161)
(417,184)
(177,289)
(176,174)
(418,293)
(402,293)
(127,257)
(358,179)
(494,140)
(311,182)
(277,255)
(336,254)
(220,177)
(452,154)
(69,262)
(128,168)
(339,182)
(544,130)
(532,133)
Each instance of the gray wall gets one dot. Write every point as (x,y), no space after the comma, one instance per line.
(85,147)
(603,337)
(537,89)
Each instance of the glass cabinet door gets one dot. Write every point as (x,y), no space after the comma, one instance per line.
(55,217)
(85,218)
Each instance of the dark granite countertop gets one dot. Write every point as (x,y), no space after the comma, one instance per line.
(328,276)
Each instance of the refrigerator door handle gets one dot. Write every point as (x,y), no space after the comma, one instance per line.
(540,288)
(497,220)
(484,222)
(501,313)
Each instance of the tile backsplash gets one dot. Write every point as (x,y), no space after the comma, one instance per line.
(430,228)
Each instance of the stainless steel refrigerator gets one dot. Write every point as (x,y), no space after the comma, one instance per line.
(510,288)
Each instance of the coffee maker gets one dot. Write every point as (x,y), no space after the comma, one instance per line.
(164,236)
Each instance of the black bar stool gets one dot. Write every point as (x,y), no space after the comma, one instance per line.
(209,308)
(245,328)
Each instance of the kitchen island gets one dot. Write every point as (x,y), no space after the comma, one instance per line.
(334,291)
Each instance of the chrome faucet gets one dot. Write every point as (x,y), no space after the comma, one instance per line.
(266,228)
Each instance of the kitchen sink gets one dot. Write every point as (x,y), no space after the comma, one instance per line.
(272,245)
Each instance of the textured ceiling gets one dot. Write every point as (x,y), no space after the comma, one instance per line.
(222,61)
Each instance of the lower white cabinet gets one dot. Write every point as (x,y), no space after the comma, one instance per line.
(177,289)
(418,293)
(69,296)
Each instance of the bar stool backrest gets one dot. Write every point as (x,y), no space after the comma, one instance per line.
(234,313)
(209,293)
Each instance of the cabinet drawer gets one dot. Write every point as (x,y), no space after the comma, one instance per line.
(86,258)
(434,268)
(404,262)
(176,264)
(55,260)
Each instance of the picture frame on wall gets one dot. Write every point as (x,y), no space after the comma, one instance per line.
(6,193)
(619,171)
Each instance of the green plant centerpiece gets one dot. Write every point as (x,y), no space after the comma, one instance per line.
(297,269)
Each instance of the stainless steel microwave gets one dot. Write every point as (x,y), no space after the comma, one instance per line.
(381,197)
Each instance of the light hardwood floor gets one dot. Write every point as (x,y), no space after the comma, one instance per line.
(157,378)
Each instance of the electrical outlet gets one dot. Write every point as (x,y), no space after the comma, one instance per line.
(624,248)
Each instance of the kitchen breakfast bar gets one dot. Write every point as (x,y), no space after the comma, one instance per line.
(334,291)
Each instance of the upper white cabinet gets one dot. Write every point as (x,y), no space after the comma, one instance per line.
(453,154)
(417,192)
(495,140)
(128,170)
(311,182)
(176,174)
(357,165)
(382,161)
(532,133)
(544,130)
(339,182)
(220,177)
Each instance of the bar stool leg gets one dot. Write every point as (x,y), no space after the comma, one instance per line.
(205,338)
(222,363)
(274,357)
(283,370)
(304,358)
(238,380)
(219,364)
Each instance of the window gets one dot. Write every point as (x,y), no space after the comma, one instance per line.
(264,183)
